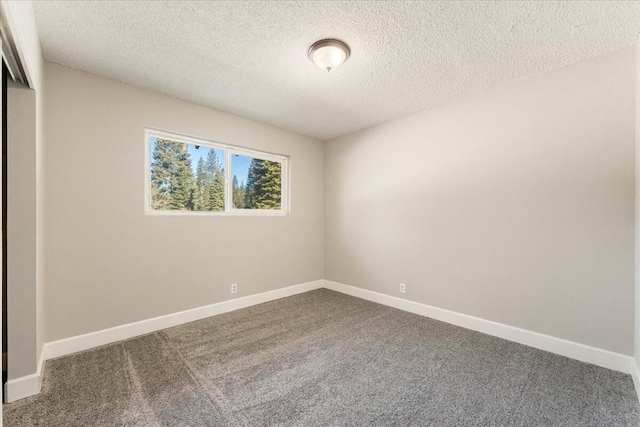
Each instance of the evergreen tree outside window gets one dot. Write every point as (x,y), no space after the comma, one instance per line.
(186,175)
(260,187)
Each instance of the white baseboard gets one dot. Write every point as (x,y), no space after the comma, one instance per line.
(31,384)
(574,350)
(28,385)
(636,377)
(106,336)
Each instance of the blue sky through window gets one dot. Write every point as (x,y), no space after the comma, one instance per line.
(240,167)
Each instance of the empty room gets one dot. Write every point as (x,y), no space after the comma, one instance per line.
(320,213)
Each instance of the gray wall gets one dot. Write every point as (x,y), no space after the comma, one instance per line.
(22,306)
(107,263)
(515,206)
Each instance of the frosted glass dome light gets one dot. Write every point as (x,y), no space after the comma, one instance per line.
(329,54)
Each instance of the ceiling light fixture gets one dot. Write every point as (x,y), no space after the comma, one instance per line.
(329,54)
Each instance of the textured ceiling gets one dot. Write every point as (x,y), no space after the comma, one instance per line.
(250,58)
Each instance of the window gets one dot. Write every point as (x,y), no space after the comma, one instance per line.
(186,175)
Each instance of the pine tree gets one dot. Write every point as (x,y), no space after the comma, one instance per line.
(171,176)
(264,185)
(159,198)
(161,164)
(182,191)
(199,188)
(238,193)
(214,189)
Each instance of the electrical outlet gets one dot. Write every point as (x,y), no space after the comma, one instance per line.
(234,288)
(403,289)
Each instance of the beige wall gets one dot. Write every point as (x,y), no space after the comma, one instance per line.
(21,234)
(636,351)
(515,206)
(107,263)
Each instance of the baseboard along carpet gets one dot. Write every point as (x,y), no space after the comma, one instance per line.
(324,358)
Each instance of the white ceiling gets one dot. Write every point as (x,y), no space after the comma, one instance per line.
(250,58)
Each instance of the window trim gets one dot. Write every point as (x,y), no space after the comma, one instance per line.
(230,150)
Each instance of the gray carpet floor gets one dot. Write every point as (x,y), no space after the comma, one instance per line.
(323,358)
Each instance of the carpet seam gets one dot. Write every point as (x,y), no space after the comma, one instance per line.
(227,409)
(130,373)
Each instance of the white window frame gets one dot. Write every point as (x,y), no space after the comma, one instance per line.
(230,150)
